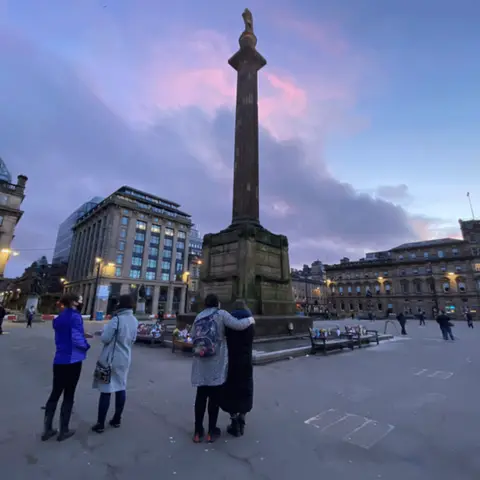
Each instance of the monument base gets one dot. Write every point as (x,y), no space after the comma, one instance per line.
(247,261)
(266,326)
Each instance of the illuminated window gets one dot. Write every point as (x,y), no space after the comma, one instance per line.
(155,229)
(150,275)
(134,273)
(141,225)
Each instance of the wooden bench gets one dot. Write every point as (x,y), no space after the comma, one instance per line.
(365,339)
(328,343)
(150,339)
(345,340)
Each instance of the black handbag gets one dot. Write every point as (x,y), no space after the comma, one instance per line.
(103,373)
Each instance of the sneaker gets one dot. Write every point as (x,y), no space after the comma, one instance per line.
(213,435)
(98,428)
(197,437)
(114,423)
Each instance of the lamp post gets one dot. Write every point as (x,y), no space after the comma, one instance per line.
(99,262)
(185,280)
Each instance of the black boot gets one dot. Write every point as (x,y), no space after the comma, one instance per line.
(65,414)
(48,430)
(234,427)
(241,423)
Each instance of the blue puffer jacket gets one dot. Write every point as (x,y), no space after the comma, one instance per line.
(70,342)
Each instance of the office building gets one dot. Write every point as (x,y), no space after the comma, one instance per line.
(195,262)
(440,274)
(63,243)
(11,198)
(131,243)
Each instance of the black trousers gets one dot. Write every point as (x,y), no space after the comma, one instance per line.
(211,396)
(65,380)
(1,323)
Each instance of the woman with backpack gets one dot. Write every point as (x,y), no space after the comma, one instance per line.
(210,362)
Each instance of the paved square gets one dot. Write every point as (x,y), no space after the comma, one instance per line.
(369,415)
(355,429)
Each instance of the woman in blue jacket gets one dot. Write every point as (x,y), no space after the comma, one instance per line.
(71,351)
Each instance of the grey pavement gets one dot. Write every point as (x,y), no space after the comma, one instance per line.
(405,409)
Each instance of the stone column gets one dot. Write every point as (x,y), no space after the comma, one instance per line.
(181,307)
(89,290)
(156,296)
(247,62)
(169,306)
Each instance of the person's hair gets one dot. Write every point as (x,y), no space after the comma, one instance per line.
(240,304)
(211,301)
(125,301)
(68,300)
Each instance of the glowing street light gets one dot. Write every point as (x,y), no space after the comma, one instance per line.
(9,251)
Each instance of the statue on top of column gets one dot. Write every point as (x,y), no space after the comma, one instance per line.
(248,19)
(248,38)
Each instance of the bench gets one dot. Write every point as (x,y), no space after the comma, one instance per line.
(344,340)
(147,337)
(330,343)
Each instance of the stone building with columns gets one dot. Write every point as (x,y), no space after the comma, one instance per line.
(11,198)
(128,241)
(441,274)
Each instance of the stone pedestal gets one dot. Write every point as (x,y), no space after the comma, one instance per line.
(140,310)
(32,301)
(248,262)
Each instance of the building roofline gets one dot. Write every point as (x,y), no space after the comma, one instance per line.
(426,243)
(174,204)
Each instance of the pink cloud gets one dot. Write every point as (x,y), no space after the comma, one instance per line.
(189,68)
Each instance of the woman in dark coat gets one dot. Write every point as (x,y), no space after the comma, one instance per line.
(237,395)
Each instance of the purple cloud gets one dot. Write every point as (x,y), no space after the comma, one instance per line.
(73,146)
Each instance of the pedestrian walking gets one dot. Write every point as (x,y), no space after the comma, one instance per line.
(3,312)
(445,324)
(469,318)
(237,393)
(210,362)
(422,318)
(403,322)
(71,351)
(113,365)
(30,313)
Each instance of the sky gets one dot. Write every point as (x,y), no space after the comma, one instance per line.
(369,115)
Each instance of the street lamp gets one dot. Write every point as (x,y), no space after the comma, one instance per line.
(99,262)
(9,251)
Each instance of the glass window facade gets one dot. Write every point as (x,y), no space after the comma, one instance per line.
(63,243)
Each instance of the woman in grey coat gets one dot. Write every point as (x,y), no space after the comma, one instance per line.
(118,336)
(209,373)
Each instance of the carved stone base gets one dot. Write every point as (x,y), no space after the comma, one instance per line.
(249,262)
(266,326)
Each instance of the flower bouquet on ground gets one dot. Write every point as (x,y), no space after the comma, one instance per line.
(181,339)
